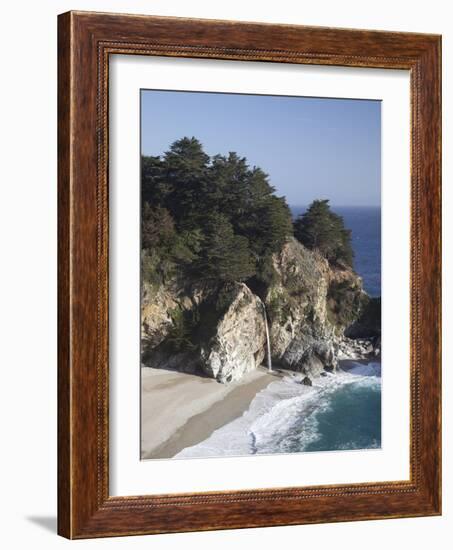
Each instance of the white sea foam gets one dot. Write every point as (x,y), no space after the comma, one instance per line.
(266,427)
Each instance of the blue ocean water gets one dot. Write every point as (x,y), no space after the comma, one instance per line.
(352,420)
(365,224)
(340,411)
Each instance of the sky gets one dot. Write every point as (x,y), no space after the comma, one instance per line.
(311,148)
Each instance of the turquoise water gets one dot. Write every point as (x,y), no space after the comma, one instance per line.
(352,420)
(340,411)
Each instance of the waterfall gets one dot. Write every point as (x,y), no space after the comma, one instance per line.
(268,340)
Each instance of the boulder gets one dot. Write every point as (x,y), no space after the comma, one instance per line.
(238,343)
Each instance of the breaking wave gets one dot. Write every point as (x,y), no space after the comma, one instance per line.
(339,411)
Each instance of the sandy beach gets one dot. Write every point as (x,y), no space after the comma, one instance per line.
(180,410)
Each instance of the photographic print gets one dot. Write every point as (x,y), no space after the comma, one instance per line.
(260,274)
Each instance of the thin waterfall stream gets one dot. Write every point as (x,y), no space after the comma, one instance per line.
(268,340)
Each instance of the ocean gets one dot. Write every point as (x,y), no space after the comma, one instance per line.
(341,411)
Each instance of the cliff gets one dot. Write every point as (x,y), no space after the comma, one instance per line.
(219,329)
(310,304)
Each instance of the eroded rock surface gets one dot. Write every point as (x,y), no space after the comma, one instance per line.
(218,330)
(310,305)
(238,343)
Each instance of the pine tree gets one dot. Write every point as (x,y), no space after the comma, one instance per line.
(321,229)
(158,228)
(185,174)
(226,256)
(155,188)
(265,219)
(228,184)
(275,223)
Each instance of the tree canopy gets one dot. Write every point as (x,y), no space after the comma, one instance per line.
(219,218)
(215,216)
(321,229)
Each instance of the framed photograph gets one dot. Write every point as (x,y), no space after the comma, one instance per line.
(249,275)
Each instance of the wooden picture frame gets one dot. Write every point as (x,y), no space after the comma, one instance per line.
(85,42)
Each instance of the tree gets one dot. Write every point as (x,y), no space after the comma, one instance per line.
(226,256)
(185,175)
(321,229)
(275,223)
(228,184)
(158,228)
(264,218)
(154,188)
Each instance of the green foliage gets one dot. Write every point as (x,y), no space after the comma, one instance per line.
(158,228)
(186,246)
(226,256)
(220,218)
(323,230)
(265,272)
(344,303)
(180,337)
(150,267)
(276,224)
(215,216)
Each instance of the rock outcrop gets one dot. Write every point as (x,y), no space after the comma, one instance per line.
(156,313)
(163,306)
(310,305)
(368,324)
(238,343)
(218,329)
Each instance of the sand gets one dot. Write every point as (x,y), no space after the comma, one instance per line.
(180,410)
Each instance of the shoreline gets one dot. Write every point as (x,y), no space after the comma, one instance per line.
(284,417)
(180,410)
(188,408)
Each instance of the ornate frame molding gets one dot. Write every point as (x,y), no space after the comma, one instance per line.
(86,40)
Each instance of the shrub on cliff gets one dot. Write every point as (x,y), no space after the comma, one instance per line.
(344,303)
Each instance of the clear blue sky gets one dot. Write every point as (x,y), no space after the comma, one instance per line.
(311,148)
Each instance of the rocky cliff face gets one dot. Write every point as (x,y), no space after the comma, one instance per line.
(219,329)
(238,343)
(310,306)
